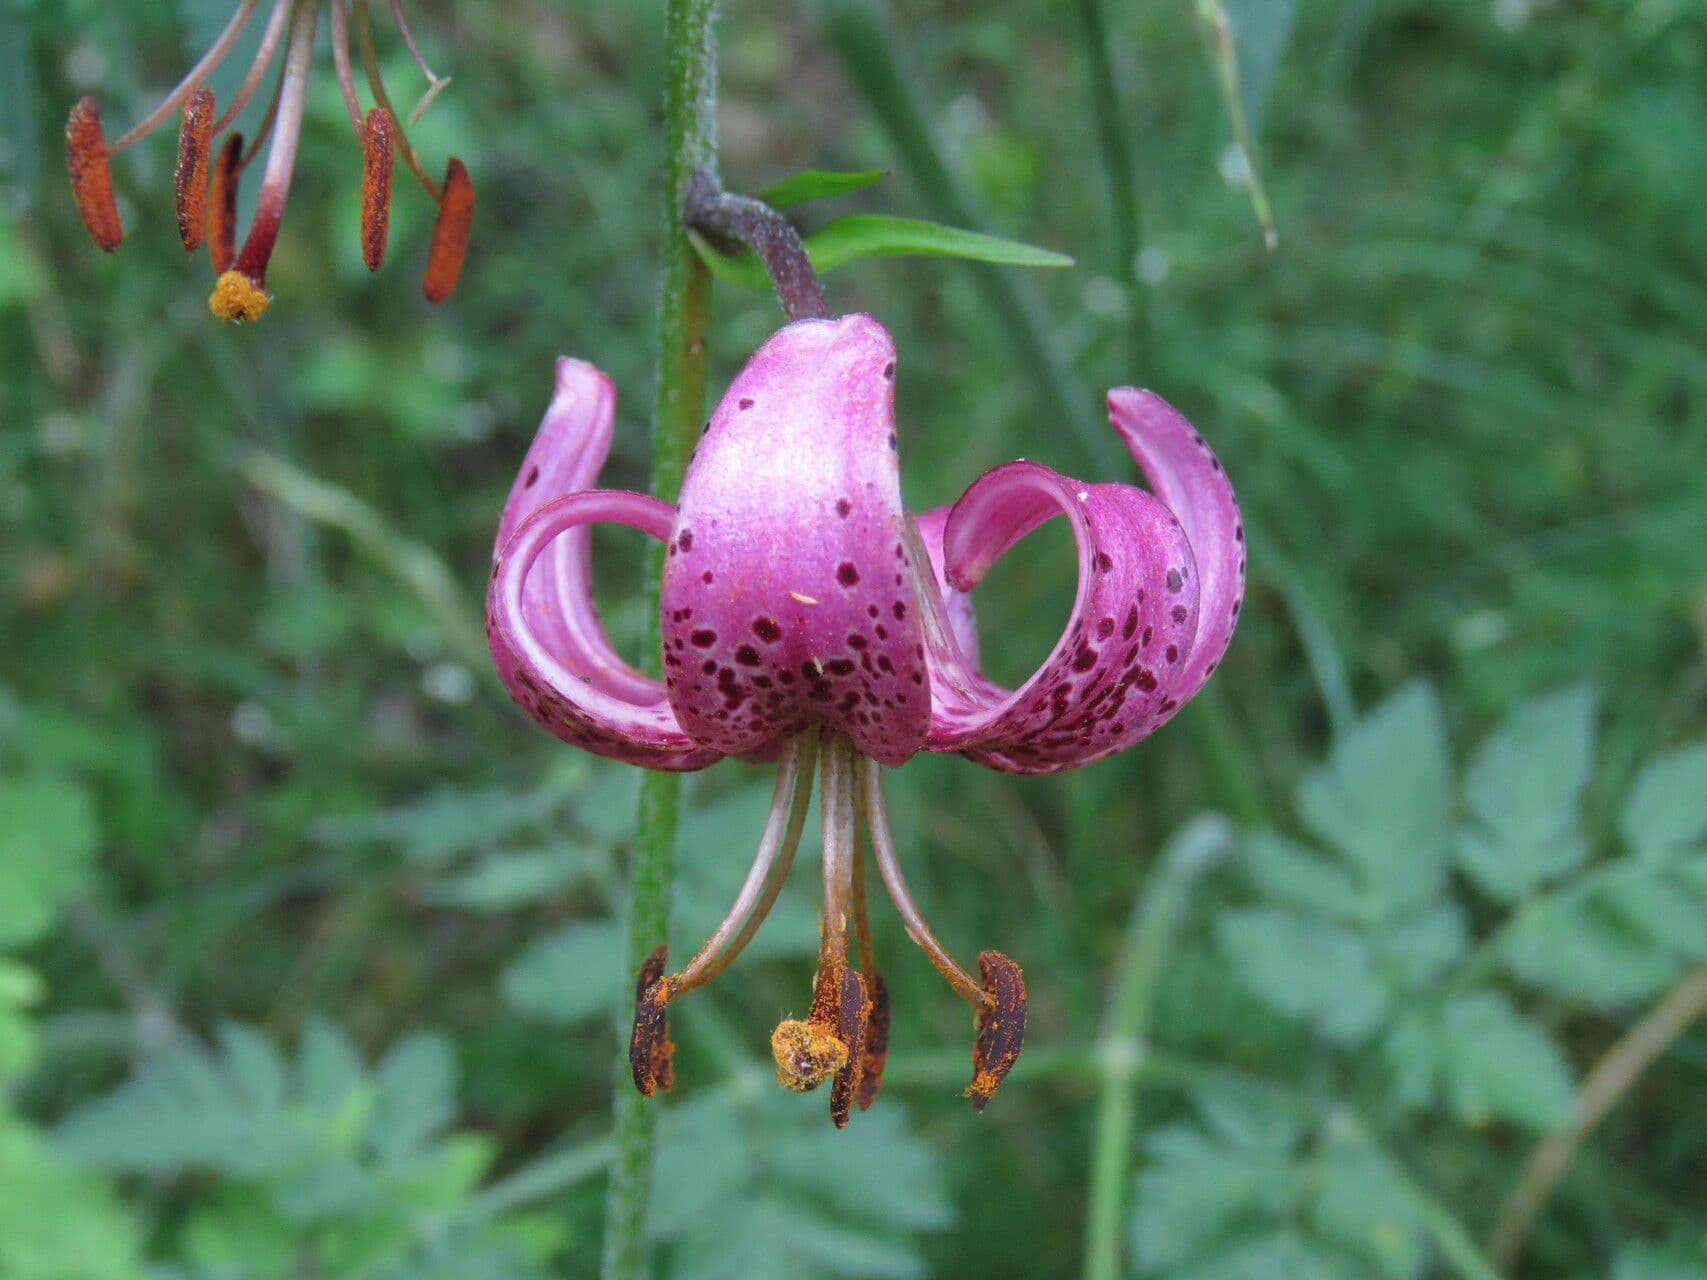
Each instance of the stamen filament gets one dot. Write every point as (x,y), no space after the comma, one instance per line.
(870,785)
(402,22)
(341,61)
(193,78)
(789,803)
(263,59)
(376,83)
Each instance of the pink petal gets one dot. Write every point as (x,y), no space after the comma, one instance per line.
(551,683)
(788,592)
(566,456)
(1150,568)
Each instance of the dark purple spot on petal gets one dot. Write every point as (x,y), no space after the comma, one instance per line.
(704,639)
(685,539)
(1179,613)
(1102,561)
(747,656)
(1175,582)
(532,478)
(846,574)
(767,630)
(843,506)
(744,403)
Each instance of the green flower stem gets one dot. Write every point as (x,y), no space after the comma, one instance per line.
(684,295)
(1149,938)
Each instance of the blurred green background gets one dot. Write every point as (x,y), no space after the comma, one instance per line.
(308,962)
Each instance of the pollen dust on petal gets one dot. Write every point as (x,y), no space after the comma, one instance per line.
(237,299)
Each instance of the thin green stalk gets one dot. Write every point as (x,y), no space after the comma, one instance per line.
(684,295)
(1125,212)
(1149,937)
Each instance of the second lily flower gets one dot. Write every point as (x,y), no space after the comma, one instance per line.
(807,617)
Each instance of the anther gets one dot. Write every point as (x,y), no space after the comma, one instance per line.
(1001,1027)
(377,150)
(450,233)
(91,177)
(650,1051)
(222,203)
(189,178)
(876,1047)
(853,1017)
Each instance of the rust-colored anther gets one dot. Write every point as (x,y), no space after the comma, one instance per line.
(222,204)
(450,233)
(189,179)
(650,1051)
(876,1047)
(378,149)
(91,178)
(1001,1027)
(852,1018)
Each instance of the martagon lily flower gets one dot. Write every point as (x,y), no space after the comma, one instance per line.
(206,185)
(807,616)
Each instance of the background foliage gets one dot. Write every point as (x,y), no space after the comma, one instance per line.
(307,962)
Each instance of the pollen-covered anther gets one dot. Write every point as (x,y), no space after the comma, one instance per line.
(222,203)
(1001,1027)
(875,1051)
(450,233)
(238,299)
(189,177)
(650,1050)
(91,177)
(378,149)
(806,1053)
(853,1019)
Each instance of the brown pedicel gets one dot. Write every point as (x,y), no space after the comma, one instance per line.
(91,176)
(189,177)
(378,148)
(450,233)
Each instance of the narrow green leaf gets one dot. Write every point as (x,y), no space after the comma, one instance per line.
(866,235)
(819,184)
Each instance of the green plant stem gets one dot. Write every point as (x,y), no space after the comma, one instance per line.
(1125,209)
(1154,925)
(684,296)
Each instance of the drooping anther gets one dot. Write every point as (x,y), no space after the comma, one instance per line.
(222,203)
(876,1047)
(450,233)
(1001,1027)
(377,151)
(853,1018)
(650,1051)
(91,177)
(189,177)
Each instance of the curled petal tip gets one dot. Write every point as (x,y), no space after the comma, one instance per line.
(237,299)
(451,232)
(189,177)
(378,149)
(91,177)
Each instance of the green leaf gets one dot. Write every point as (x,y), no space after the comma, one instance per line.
(58,1222)
(1307,968)
(505,881)
(451,821)
(1295,876)
(1260,31)
(1524,791)
(570,976)
(47,844)
(1679,1261)
(1579,952)
(1195,1191)
(1363,1203)
(1383,800)
(865,235)
(1667,807)
(819,184)
(1413,953)
(1487,1061)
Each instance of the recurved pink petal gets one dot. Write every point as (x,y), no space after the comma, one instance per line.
(1159,587)
(788,592)
(567,454)
(583,711)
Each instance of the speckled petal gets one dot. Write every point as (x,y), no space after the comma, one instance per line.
(567,454)
(787,591)
(578,709)
(1134,649)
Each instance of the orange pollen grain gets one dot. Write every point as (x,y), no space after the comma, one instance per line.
(91,177)
(450,233)
(222,204)
(189,179)
(238,299)
(378,149)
